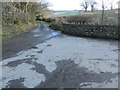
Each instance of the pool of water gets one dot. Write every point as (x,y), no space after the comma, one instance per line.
(53,34)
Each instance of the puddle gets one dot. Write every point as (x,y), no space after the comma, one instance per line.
(53,34)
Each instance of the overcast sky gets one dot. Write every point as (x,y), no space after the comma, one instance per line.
(75,4)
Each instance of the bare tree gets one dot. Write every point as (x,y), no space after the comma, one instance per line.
(85,5)
(92,5)
(111,6)
(103,11)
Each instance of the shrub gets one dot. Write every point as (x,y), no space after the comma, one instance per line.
(40,17)
(59,20)
(49,19)
(79,19)
(55,20)
(17,21)
(56,26)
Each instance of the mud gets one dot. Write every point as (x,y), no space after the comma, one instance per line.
(16,83)
(70,75)
(28,40)
(60,62)
(67,75)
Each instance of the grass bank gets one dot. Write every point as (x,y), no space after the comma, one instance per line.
(10,31)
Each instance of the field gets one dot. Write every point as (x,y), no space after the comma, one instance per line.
(77,12)
(63,13)
(110,16)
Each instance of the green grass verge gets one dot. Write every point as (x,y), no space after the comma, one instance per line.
(62,15)
(10,31)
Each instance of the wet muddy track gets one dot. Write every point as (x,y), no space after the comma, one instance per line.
(60,62)
(28,40)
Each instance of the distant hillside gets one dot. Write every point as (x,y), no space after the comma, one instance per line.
(61,13)
(66,10)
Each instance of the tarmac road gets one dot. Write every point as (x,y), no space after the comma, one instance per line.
(44,58)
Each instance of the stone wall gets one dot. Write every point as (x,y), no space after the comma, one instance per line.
(108,32)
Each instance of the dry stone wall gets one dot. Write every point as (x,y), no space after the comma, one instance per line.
(99,31)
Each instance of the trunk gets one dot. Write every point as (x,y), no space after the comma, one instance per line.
(92,8)
(102,16)
(111,6)
(102,19)
(26,7)
(85,9)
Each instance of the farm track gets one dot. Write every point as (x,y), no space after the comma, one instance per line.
(44,58)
